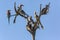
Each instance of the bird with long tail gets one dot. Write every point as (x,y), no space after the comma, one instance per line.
(19,12)
(8,15)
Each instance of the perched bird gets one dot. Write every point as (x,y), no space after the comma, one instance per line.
(18,12)
(20,7)
(8,15)
(21,11)
(38,19)
(45,10)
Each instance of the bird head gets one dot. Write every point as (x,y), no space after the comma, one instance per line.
(9,10)
(47,6)
(20,5)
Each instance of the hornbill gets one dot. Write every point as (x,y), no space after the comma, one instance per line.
(8,15)
(45,10)
(38,20)
(19,12)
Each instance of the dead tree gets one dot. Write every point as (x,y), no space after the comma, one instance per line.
(32,25)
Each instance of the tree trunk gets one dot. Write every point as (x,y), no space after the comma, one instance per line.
(33,36)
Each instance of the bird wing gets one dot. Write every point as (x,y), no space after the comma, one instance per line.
(24,13)
(8,15)
(44,11)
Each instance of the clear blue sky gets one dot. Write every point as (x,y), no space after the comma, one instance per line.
(17,31)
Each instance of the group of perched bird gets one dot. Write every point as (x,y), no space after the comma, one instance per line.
(37,23)
(18,11)
(31,24)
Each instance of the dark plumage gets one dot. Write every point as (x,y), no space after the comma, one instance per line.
(8,15)
(19,12)
(22,12)
(45,10)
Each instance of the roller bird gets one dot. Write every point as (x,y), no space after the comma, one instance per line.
(20,7)
(18,12)
(8,15)
(45,10)
(22,12)
(38,20)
